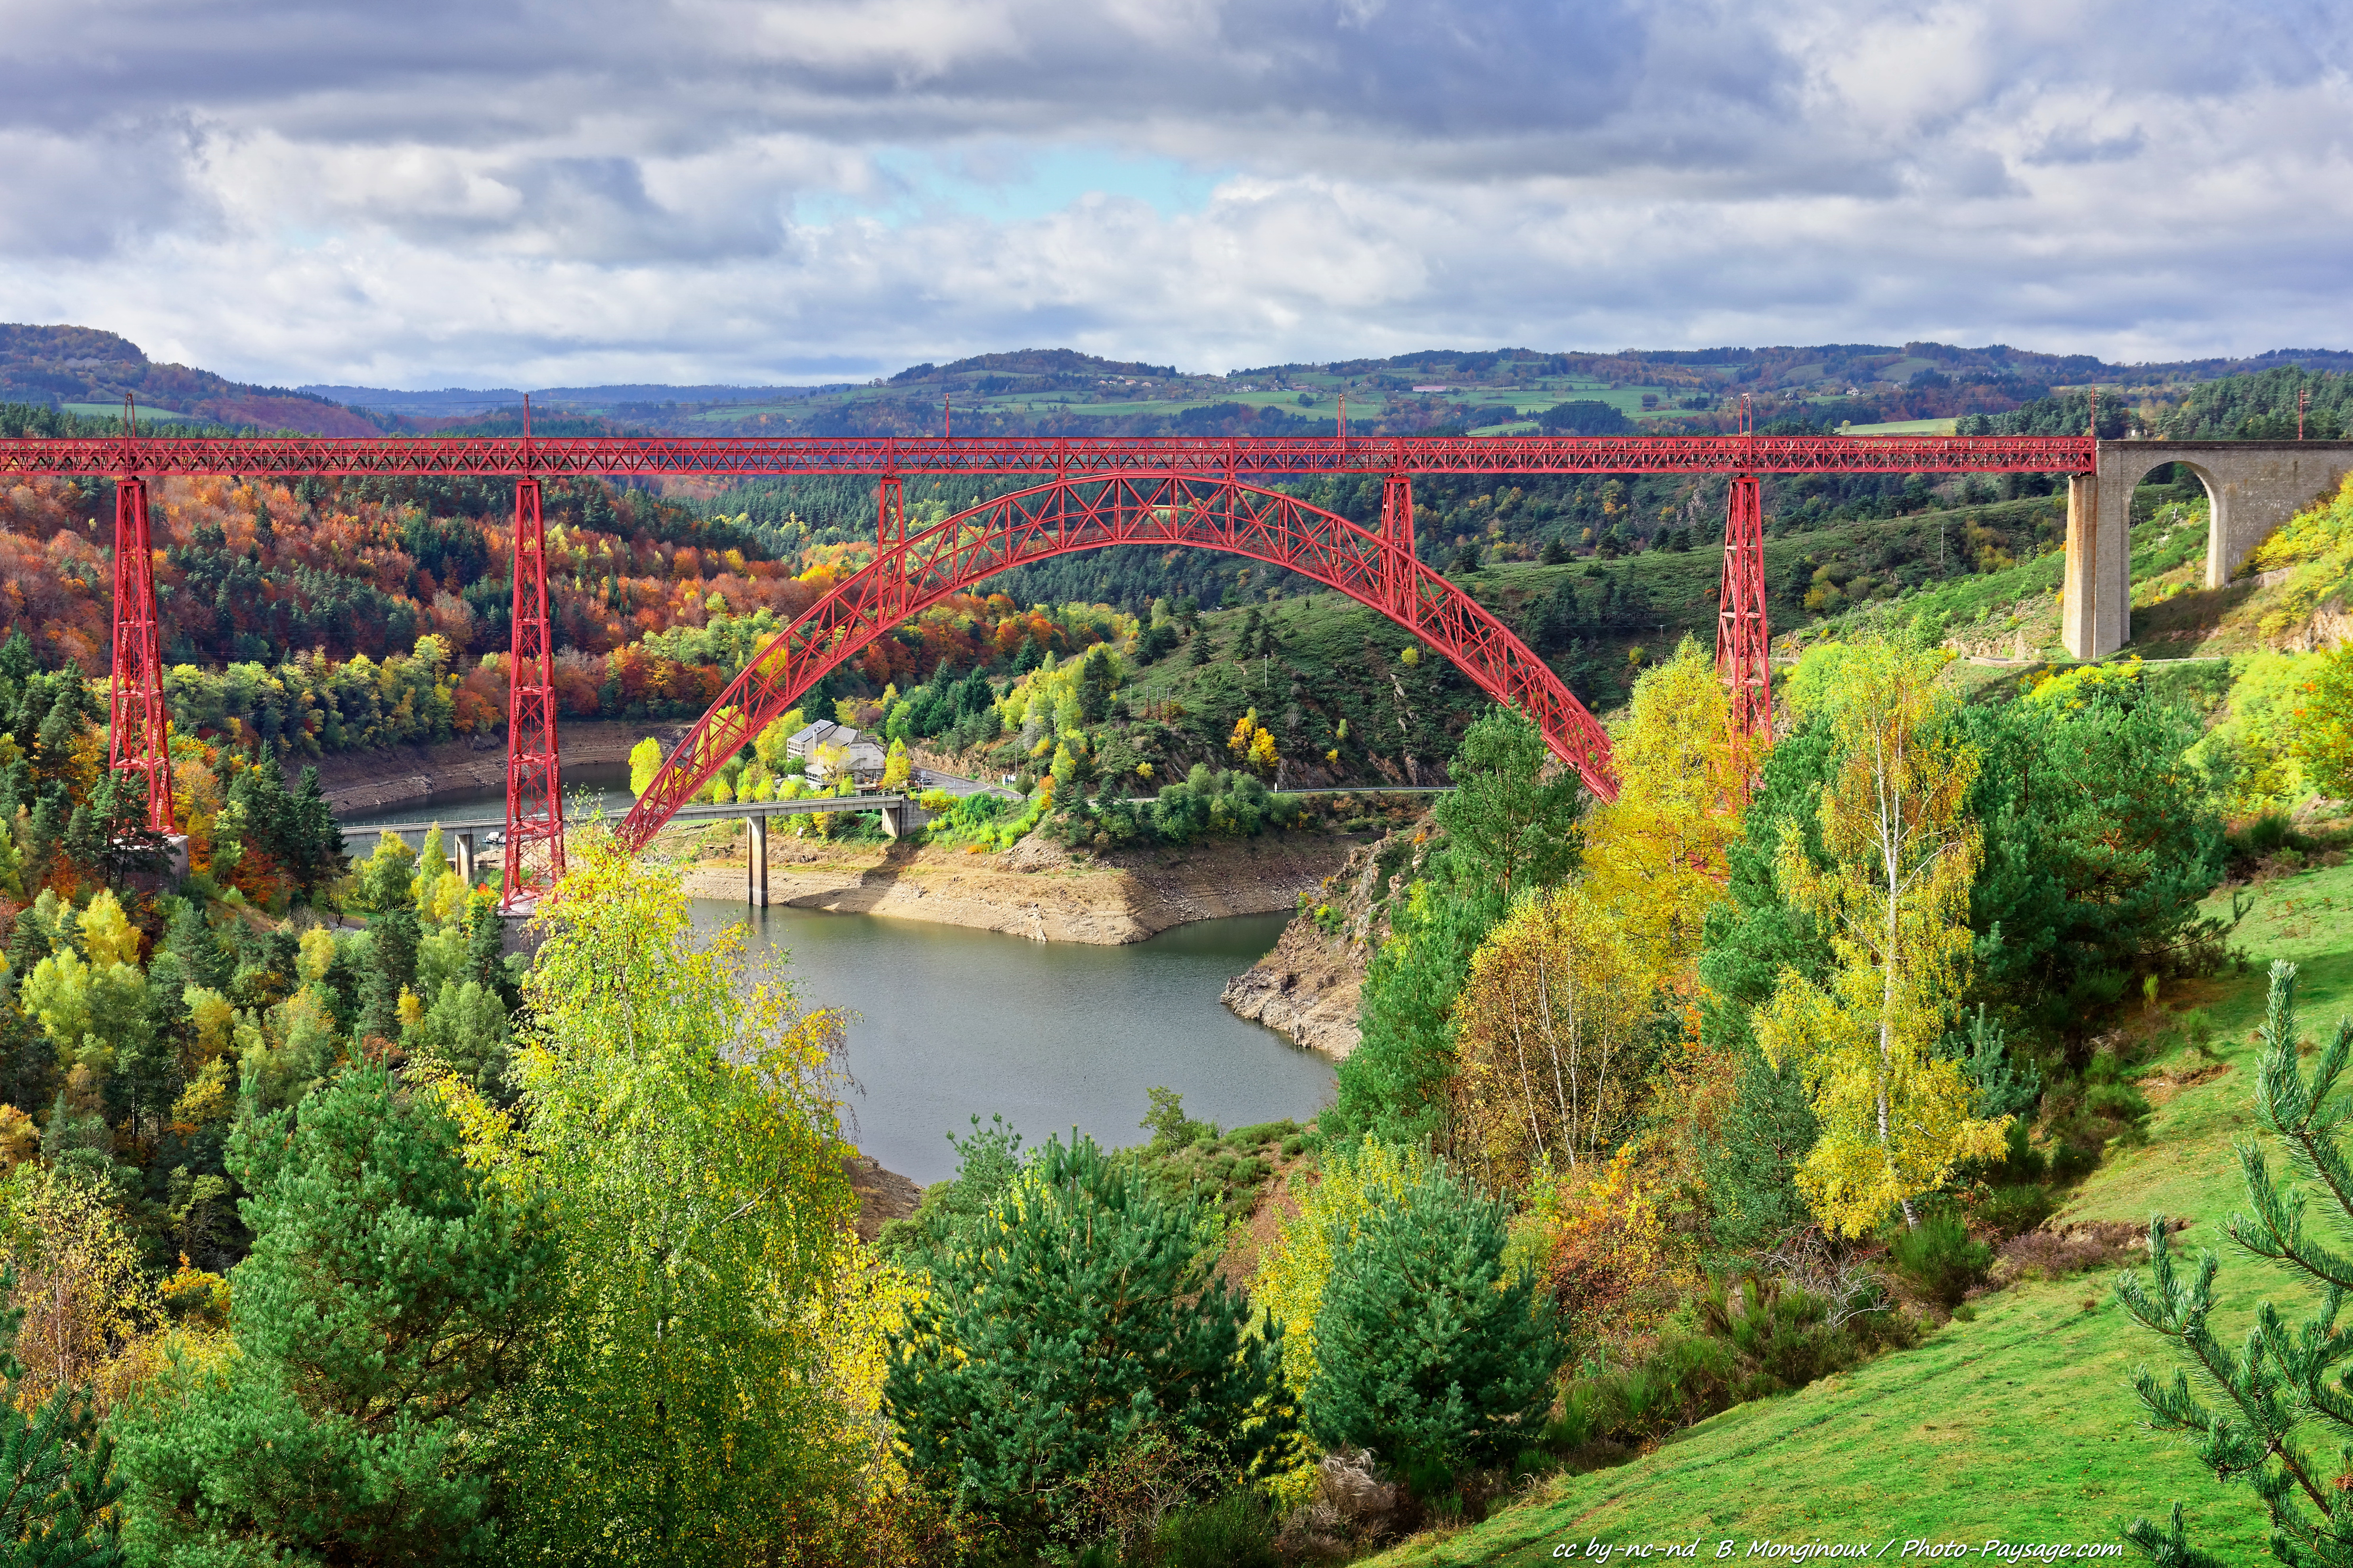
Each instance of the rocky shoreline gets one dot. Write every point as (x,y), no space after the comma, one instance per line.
(1308,987)
(1038,890)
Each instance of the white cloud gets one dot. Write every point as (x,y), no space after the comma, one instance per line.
(522,192)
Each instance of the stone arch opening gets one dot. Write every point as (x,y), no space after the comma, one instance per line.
(2220,562)
(2252,488)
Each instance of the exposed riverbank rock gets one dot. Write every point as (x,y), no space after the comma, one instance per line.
(883,1195)
(1037,889)
(393,775)
(1308,986)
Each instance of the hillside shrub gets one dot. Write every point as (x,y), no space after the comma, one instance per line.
(2102,1107)
(989,1159)
(2321,738)
(2316,547)
(2071,1250)
(2248,756)
(1750,1338)
(1356,1180)
(1231,1531)
(2017,1206)
(1938,1259)
(2268,841)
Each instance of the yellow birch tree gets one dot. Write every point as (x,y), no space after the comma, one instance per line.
(1655,856)
(679,1119)
(1894,903)
(1544,1031)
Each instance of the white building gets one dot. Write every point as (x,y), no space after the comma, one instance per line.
(832,750)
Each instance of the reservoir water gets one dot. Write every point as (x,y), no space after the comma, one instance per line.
(948,1023)
(951,1023)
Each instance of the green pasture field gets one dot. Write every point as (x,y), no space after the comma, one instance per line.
(2021,1425)
(114,411)
(1904,427)
(1484,406)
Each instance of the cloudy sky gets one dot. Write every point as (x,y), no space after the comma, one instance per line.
(542,192)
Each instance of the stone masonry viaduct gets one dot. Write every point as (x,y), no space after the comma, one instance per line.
(2252,487)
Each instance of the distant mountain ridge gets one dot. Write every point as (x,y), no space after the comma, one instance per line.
(59,366)
(87,371)
(459,401)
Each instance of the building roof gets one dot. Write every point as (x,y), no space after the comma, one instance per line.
(824,732)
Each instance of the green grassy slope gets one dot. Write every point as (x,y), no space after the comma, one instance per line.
(1678,588)
(2022,1425)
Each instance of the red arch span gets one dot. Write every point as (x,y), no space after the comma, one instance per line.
(911,573)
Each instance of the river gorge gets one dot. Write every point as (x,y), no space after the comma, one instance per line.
(947,1021)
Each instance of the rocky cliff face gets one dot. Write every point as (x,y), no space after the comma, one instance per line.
(1308,986)
(883,1195)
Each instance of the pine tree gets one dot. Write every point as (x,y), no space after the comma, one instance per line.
(147,1060)
(319,856)
(1511,826)
(974,693)
(202,962)
(1749,1161)
(43,835)
(390,1294)
(84,842)
(1071,1318)
(485,951)
(1097,676)
(1429,1351)
(393,938)
(2284,1420)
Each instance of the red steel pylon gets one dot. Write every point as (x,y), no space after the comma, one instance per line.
(535,836)
(1396,533)
(890,515)
(139,735)
(1742,638)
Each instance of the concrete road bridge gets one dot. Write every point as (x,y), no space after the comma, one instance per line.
(467,839)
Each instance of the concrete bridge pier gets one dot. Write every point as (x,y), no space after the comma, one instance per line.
(757,894)
(2252,488)
(466,859)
